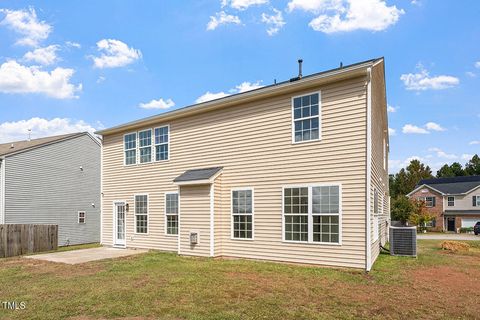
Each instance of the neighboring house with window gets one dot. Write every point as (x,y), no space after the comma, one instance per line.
(53,180)
(454,202)
(295,172)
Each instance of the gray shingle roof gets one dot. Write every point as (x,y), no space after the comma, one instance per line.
(197,174)
(16,146)
(453,185)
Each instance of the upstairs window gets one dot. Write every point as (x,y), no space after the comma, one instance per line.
(451,201)
(161,143)
(145,144)
(130,147)
(171,212)
(429,201)
(306,118)
(476,201)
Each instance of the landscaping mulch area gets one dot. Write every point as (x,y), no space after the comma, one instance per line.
(439,284)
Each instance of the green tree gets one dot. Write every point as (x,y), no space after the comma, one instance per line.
(420,215)
(453,170)
(401,209)
(472,167)
(406,179)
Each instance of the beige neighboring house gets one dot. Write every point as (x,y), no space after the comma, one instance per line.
(293,172)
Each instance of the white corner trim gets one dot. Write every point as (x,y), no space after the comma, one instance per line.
(368,242)
(212,222)
(2,190)
(179,223)
(101,193)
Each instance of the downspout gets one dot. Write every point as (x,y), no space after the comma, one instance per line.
(212,216)
(101,193)
(368,240)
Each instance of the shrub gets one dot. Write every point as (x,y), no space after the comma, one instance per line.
(466,230)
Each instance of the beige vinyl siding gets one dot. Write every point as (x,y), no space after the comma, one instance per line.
(463,202)
(253,142)
(195,216)
(379,174)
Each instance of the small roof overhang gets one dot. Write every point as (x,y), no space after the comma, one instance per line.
(462,212)
(198,176)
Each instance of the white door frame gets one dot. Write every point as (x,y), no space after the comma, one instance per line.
(117,243)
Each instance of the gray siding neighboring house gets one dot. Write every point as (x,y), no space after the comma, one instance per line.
(49,180)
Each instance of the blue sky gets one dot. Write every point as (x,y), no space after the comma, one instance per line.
(83,65)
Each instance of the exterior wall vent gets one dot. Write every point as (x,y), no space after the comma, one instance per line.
(403,241)
(193,237)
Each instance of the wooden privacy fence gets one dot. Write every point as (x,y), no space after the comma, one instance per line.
(19,239)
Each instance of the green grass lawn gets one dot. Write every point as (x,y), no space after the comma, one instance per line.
(162,285)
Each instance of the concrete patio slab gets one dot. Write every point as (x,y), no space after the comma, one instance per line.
(448,236)
(85,255)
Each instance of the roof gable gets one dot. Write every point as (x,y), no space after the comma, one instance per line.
(24,145)
(454,185)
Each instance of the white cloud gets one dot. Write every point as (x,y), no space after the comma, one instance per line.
(467,156)
(434,126)
(115,53)
(18,130)
(421,80)
(391,132)
(442,154)
(210,96)
(477,64)
(45,56)
(73,44)
(274,22)
(101,79)
(409,128)
(16,78)
(157,104)
(247,86)
(391,109)
(395,165)
(26,23)
(471,74)
(222,18)
(242,4)
(348,15)
(474,142)
(243,87)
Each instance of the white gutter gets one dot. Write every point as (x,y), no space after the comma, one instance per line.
(368,244)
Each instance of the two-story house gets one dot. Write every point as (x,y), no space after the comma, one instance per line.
(294,171)
(53,180)
(454,202)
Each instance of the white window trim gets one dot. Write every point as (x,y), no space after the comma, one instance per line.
(84,217)
(245,214)
(448,205)
(477,199)
(135,214)
(310,215)
(319,117)
(152,142)
(170,214)
(155,144)
(125,150)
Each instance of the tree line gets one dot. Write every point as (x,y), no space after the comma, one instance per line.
(403,182)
